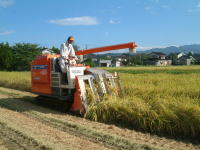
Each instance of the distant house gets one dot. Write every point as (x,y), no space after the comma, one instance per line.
(157,59)
(157,56)
(94,59)
(179,55)
(46,51)
(116,63)
(105,63)
(184,60)
(110,63)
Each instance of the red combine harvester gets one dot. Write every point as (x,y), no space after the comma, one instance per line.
(47,79)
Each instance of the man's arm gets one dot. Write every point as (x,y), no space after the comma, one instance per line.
(72,51)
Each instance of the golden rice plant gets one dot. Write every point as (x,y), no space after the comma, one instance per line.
(158,103)
(16,80)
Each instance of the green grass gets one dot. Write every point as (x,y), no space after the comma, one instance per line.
(157,100)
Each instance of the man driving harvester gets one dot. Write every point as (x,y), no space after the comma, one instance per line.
(67,55)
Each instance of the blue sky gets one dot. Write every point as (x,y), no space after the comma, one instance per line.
(150,23)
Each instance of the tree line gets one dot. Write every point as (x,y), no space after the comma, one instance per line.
(18,57)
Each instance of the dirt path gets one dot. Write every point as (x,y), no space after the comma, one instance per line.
(51,129)
(2,145)
(39,134)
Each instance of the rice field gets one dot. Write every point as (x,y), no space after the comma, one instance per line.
(16,80)
(161,100)
(29,124)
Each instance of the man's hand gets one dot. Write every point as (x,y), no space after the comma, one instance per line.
(76,58)
(73,58)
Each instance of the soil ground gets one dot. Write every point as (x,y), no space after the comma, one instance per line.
(29,124)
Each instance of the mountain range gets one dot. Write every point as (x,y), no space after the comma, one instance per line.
(195,48)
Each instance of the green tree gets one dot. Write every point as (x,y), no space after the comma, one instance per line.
(6,56)
(190,53)
(137,59)
(24,53)
(55,50)
(20,56)
(89,62)
(173,57)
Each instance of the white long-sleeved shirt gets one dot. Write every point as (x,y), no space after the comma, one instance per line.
(67,50)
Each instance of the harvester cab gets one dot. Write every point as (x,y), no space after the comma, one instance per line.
(82,82)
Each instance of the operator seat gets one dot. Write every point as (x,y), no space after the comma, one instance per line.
(57,65)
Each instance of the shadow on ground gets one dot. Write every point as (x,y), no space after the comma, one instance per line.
(28,103)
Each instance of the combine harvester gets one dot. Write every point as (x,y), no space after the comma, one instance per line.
(47,79)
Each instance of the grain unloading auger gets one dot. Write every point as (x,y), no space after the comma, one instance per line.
(47,80)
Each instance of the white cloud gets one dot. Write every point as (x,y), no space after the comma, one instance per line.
(6,3)
(196,9)
(76,21)
(7,32)
(165,6)
(154,1)
(198,5)
(148,7)
(193,10)
(144,48)
(141,48)
(111,21)
(106,33)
